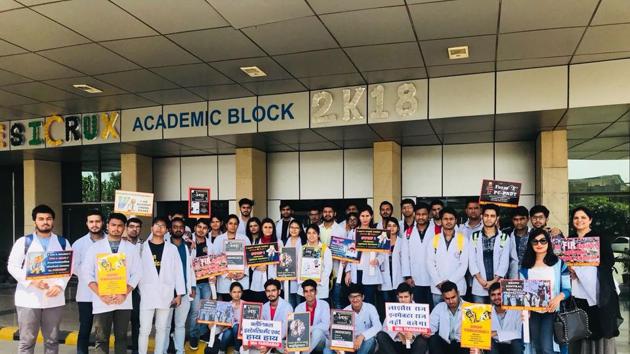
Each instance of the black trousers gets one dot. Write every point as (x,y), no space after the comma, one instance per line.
(388,346)
(135,319)
(85,327)
(514,347)
(439,345)
(103,328)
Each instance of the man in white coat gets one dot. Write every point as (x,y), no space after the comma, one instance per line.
(319,312)
(94,223)
(418,243)
(446,322)
(282,225)
(507,325)
(162,277)
(112,309)
(39,303)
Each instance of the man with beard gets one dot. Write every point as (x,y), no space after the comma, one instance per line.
(506,325)
(282,225)
(314,217)
(519,238)
(446,322)
(38,303)
(328,224)
(419,241)
(245,206)
(436,221)
(178,227)
(407,223)
(134,228)
(95,233)
(473,215)
(385,210)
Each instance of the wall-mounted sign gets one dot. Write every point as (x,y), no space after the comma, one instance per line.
(398,101)
(198,202)
(340,106)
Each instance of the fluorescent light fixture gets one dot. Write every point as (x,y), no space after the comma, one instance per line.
(458,52)
(87,88)
(253,71)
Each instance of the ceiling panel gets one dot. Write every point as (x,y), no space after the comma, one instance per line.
(515,135)
(599,144)
(539,44)
(7,48)
(593,115)
(330,81)
(609,155)
(151,51)
(420,140)
(104,103)
(612,11)
(36,67)
(66,84)
(260,12)
(395,75)
(220,92)
(218,44)
(386,56)
(460,69)
(623,147)
(274,87)
(232,69)
(460,18)
(11,99)
(588,58)
(97,20)
(536,121)
(617,129)
(328,6)
(462,125)
(319,63)
(40,92)
(298,35)
(532,63)
(174,15)
(481,49)
(601,39)
(402,129)
(586,131)
(193,75)
(7,114)
(372,26)
(32,31)
(137,80)
(7,78)
(517,15)
(355,132)
(91,59)
(8,5)
(174,96)
(468,138)
(41,109)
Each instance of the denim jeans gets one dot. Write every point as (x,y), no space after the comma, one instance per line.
(230,339)
(367,347)
(422,295)
(181,314)
(514,347)
(196,330)
(541,332)
(481,299)
(337,297)
(437,298)
(85,327)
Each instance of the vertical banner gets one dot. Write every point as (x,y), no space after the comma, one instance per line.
(198,202)
(298,331)
(342,330)
(287,268)
(476,326)
(249,311)
(111,274)
(235,255)
(311,263)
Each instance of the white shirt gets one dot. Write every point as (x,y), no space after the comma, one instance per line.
(80,248)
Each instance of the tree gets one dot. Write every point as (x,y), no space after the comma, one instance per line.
(611,218)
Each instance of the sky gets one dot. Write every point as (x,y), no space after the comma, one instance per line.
(593,168)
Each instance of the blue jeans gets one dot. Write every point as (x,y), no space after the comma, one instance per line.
(337,296)
(230,339)
(197,330)
(437,298)
(367,347)
(541,332)
(180,313)
(480,299)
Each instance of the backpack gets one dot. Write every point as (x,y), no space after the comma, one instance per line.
(460,241)
(503,238)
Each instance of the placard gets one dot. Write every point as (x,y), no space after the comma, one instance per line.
(198,202)
(501,193)
(311,263)
(209,266)
(214,312)
(235,254)
(287,268)
(111,274)
(372,240)
(342,330)
(525,294)
(344,249)
(298,331)
(408,318)
(577,251)
(133,203)
(262,254)
(249,311)
(44,265)
(257,333)
(476,326)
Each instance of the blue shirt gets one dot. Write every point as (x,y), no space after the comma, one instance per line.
(44,242)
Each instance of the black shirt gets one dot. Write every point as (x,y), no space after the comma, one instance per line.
(201,249)
(157,251)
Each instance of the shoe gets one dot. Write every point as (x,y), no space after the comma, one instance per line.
(205,337)
(193,343)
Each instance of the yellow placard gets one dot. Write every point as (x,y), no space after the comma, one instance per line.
(476,326)
(111,274)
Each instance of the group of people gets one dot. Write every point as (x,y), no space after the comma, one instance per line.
(432,260)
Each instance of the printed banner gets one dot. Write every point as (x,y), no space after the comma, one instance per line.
(476,326)
(133,203)
(525,294)
(111,273)
(262,254)
(298,331)
(235,254)
(342,330)
(501,193)
(43,265)
(344,249)
(214,312)
(287,268)
(410,318)
(249,311)
(372,240)
(198,202)
(209,266)
(577,251)
(258,333)
(311,263)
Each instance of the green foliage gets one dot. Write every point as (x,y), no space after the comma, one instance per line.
(109,182)
(611,215)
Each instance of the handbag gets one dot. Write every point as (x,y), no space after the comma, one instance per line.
(570,325)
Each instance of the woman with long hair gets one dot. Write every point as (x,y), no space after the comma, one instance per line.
(396,266)
(323,285)
(225,281)
(228,336)
(252,229)
(261,274)
(216,228)
(295,240)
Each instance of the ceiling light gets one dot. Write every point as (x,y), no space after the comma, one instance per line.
(87,88)
(253,71)
(458,52)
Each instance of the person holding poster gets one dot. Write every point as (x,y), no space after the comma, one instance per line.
(446,321)
(161,286)
(112,310)
(347,231)
(319,312)
(507,325)
(594,291)
(312,240)
(228,336)
(396,266)
(418,243)
(447,256)
(39,303)
(224,281)
(276,309)
(489,254)
(260,274)
(390,341)
(133,231)
(203,247)
(295,240)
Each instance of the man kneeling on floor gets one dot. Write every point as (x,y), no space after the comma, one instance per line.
(446,319)
(506,325)
(319,312)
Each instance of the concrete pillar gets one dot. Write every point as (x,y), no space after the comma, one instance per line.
(251,178)
(136,174)
(552,178)
(42,185)
(387,179)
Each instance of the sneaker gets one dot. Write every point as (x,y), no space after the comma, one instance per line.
(193,343)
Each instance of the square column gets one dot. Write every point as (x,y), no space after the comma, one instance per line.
(42,185)
(552,177)
(387,177)
(136,175)
(251,178)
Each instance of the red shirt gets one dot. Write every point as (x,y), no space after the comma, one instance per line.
(265,239)
(272,311)
(311,310)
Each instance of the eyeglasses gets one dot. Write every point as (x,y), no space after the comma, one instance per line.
(542,241)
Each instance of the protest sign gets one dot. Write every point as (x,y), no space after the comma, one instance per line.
(44,265)
(249,311)
(235,254)
(372,240)
(525,294)
(263,333)
(209,266)
(576,251)
(501,193)
(344,249)
(111,273)
(262,254)
(214,312)
(311,263)
(298,331)
(342,330)
(287,268)
(133,203)
(476,330)
(198,202)
(408,318)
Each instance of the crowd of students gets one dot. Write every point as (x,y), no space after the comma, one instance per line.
(433,260)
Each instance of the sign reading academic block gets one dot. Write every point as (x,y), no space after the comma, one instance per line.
(501,193)
(262,333)
(342,330)
(133,203)
(111,274)
(209,266)
(249,311)
(287,268)
(577,251)
(525,294)
(262,254)
(298,331)
(476,326)
(42,265)
(344,249)
(214,312)
(413,318)
(372,240)
(198,202)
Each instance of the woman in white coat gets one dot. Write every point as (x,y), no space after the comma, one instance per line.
(295,240)
(323,285)
(259,275)
(396,266)
(224,281)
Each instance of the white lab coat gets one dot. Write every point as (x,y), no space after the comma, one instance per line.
(29,296)
(259,277)
(399,265)
(321,318)
(440,322)
(242,226)
(500,259)
(223,282)
(467,230)
(283,309)
(417,248)
(134,272)
(80,248)
(510,329)
(279,228)
(293,284)
(448,264)
(157,291)
(323,286)
(586,286)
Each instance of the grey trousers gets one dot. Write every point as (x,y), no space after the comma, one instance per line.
(31,320)
(103,328)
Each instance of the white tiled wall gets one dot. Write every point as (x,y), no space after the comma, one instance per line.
(321,174)
(199,171)
(422,170)
(357,173)
(166,179)
(227,177)
(283,180)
